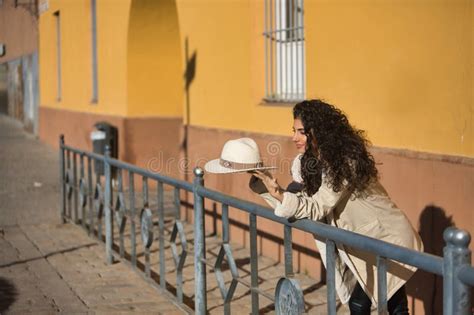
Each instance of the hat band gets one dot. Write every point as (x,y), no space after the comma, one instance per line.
(239,166)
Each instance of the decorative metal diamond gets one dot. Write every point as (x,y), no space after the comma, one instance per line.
(226,293)
(179,258)
(120,216)
(146,227)
(99,200)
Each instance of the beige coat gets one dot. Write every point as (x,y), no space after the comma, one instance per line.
(373,215)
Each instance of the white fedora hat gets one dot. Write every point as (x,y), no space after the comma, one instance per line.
(239,155)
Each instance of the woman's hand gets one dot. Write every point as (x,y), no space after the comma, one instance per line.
(270,183)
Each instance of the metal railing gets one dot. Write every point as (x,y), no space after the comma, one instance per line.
(454,267)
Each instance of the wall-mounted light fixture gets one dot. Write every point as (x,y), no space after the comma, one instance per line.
(3,50)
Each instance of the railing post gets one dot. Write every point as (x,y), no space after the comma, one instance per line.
(382,285)
(90,198)
(254,263)
(200,300)
(108,206)
(287,243)
(161,228)
(62,183)
(131,185)
(331,276)
(76,187)
(68,208)
(457,295)
(82,181)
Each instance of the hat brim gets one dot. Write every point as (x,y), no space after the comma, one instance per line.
(214,166)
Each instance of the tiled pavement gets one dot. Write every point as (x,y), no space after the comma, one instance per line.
(47,267)
(58,268)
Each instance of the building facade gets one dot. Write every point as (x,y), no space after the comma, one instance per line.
(19,90)
(179,78)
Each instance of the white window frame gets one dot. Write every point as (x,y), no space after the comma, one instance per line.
(285,75)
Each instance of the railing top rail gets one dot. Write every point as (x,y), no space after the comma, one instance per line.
(85,153)
(156,176)
(135,169)
(423,261)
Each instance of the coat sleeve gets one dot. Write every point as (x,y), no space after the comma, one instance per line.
(270,200)
(314,207)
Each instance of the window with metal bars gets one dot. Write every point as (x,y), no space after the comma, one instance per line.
(284,51)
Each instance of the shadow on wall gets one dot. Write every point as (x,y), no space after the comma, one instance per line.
(189,75)
(425,286)
(8,294)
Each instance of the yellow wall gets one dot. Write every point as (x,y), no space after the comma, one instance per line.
(402,70)
(155,64)
(139,63)
(47,57)
(76,58)
(228,85)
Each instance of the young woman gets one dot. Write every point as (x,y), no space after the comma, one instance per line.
(341,188)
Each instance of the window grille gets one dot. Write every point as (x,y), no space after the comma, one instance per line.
(284,51)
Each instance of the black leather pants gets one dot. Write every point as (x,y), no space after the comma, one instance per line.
(360,303)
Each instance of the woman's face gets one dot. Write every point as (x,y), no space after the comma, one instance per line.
(299,136)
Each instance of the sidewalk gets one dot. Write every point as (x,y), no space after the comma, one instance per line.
(47,267)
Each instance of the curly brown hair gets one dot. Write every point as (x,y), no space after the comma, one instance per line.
(334,147)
